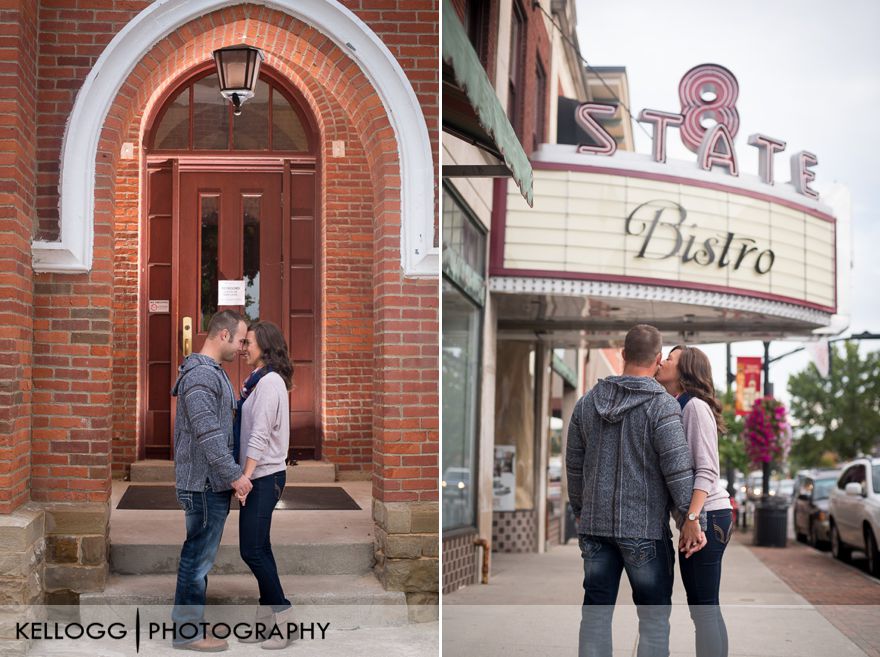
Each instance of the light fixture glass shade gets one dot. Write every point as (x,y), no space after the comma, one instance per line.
(238,68)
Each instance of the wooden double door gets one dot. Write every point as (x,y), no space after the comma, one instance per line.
(218,240)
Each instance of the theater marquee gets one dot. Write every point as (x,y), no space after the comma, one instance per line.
(645,222)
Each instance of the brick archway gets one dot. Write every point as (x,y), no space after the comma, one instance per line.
(335,25)
(359,217)
(85,337)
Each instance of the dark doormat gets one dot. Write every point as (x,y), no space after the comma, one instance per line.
(294,498)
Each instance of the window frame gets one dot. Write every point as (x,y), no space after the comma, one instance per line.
(186,85)
(468,216)
(516,64)
(540,133)
(477,425)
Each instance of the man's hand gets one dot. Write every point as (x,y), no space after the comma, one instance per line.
(692,538)
(242,486)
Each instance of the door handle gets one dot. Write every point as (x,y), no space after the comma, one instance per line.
(187,336)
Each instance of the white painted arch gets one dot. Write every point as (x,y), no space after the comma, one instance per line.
(73,253)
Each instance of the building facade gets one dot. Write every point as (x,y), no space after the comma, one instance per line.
(504,395)
(606,238)
(132,191)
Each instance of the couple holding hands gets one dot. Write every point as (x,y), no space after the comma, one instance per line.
(224,444)
(640,446)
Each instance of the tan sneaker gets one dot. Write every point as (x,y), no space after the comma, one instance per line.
(265,616)
(208,644)
(282,618)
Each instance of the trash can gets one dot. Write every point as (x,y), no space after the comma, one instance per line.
(771,524)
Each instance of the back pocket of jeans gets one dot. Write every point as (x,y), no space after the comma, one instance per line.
(637,551)
(279,490)
(720,534)
(588,546)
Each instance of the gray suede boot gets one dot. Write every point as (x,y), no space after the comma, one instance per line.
(282,618)
(264,616)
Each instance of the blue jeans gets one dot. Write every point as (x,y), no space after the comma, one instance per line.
(206,513)
(701,575)
(254,524)
(649,566)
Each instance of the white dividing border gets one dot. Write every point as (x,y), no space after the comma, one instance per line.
(73,253)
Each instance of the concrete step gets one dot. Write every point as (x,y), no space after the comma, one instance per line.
(353,558)
(344,601)
(148,542)
(305,472)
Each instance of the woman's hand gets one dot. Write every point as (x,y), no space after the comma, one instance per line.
(692,539)
(241,498)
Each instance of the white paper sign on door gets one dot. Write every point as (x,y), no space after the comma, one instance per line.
(230,293)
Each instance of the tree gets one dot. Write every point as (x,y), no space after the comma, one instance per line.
(838,413)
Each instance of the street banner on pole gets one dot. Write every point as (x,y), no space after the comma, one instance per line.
(748,383)
(819,353)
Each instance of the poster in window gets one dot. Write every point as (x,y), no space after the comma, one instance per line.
(504,478)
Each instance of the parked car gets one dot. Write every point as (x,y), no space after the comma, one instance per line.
(801,475)
(855,512)
(811,507)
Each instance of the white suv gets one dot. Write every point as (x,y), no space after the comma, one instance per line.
(855,512)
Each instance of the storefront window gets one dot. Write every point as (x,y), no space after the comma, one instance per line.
(464,247)
(461,351)
(515,414)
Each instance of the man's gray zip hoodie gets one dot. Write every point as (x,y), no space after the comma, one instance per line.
(627,459)
(203,441)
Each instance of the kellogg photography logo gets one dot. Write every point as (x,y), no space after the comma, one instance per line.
(170,632)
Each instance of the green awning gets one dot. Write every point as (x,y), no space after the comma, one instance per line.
(470,107)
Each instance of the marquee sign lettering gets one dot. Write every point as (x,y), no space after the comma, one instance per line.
(728,250)
(708,123)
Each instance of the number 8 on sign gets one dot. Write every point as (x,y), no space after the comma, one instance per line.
(707,91)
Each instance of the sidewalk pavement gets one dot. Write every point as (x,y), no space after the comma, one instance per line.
(531,607)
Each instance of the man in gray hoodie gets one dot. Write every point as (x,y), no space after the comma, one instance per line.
(628,465)
(206,471)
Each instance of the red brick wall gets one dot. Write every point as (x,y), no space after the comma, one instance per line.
(380,392)
(348,307)
(537,48)
(18,26)
(489,50)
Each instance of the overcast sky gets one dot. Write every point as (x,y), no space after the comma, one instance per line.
(808,73)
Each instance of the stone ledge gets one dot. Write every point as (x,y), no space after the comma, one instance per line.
(22,528)
(21,590)
(407,517)
(77,519)
(407,546)
(79,579)
(409,575)
(423,607)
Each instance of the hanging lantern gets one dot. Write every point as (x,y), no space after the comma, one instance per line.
(238,68)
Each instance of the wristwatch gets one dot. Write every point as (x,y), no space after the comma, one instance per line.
(692,516)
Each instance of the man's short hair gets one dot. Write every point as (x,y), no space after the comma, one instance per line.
(226,320)
(643,343)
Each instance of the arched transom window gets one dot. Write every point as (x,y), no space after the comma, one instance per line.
(198,119)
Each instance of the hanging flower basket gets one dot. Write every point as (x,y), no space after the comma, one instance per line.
(767,432)
(767,436)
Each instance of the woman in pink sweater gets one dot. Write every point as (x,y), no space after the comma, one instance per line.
(687,375)
(264,441)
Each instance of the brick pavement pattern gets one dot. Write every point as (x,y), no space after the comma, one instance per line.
(847,597)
